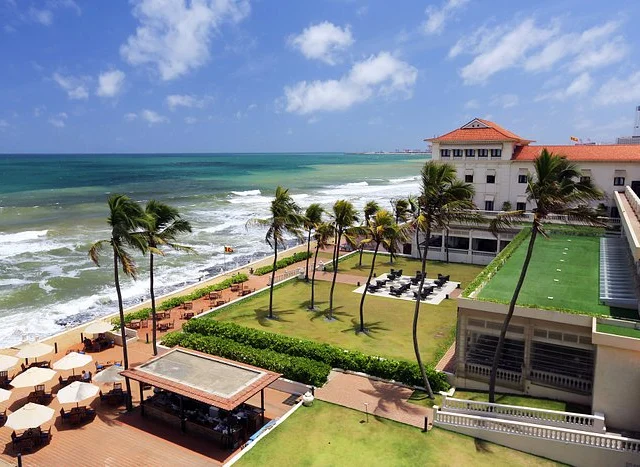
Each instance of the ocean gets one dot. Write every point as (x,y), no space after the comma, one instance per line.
(53,207)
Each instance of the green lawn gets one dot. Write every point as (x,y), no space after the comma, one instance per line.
(329,435)
(563,274)
(618,330)
(420,398)
(389,320)
(463,273)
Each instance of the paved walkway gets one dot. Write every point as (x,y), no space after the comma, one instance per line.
(384,400)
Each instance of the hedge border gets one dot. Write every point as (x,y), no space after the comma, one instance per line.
(283,263)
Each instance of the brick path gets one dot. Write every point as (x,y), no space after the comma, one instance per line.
(385,400)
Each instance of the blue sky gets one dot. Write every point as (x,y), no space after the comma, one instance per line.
(334,75)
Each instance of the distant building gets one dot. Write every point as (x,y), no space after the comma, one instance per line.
(628,140)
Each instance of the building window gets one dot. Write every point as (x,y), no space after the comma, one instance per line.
(483,152)
(468,178)
(458,243)
(585,179)
(470,152)
(488,205)
(484,244)
(491,178)
(618,181)
(457,153)
(445,152)
(522,179)
(496,153)
(521,206)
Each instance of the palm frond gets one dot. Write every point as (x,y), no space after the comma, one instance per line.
(96,249)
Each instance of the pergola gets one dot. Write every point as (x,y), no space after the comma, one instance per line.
(209,379)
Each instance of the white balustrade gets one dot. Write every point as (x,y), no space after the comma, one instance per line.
(484,371)
(561,381)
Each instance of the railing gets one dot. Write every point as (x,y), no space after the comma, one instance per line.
(483,253)
(561,381)
(552,218)
(593,423)
(484,371)
(285,275)
(633,199)
(564,435)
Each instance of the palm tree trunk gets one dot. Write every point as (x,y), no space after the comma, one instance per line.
(153,306)
(507,318)
(273,278)
(306,271)
(313,278)
(366,287)
(123,334)
(416,314)
(446,245)
(360,260)
(335,273)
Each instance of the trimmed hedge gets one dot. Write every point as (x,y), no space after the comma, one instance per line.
(299,369)
(497,262)
(336,357)
(283,263)
(144,313)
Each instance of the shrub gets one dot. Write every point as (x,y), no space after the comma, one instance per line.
(336,357)
(283,263)
(144,313)
(299,369)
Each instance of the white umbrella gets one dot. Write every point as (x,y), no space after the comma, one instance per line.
(110,375)
(33,377)
(7,362)
(35,350)
(29,416)
(4,395)
(76,392)
(98,327)
(71,361)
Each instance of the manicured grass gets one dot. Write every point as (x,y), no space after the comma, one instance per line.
(618,330)
(463,273)
(329,435)
(389,320)
(420,398)
(563,274)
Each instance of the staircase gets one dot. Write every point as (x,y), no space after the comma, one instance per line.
(617,275)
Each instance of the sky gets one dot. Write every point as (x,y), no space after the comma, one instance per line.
(326,75)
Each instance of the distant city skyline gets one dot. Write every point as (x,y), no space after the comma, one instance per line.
(338,75)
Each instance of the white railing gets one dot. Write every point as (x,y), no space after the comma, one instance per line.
(564,435)
(576,421)
(483,253)
(633,199)
(286,275)
(553,218)
(484,371)
(561,381)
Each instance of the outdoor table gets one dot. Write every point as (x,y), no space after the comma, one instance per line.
(187,315)
(43,364)
(220,302)
(163,326)
(188,305)
(39,397)
(214,295)
(135,324)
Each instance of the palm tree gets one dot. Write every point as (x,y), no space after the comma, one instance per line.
(381,230)
(285,218)
(556,188)
(165,224)
(443,199)
(401,209)
(369,210)
(322,235)
(312,217)
(126,219)
(344,216)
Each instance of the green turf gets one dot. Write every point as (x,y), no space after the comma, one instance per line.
(389,320)
(329,435)
(420,398)
(563,267)
(618,330)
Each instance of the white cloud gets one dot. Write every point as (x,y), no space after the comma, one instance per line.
(174,36)
(505,101)
(362,11)
(381,74)
(131,116)
(110,83)
(437,17)
(578,87)
(472,104)
(37,111)
(58,121)
(608,54)
(183,100)
(3,124)
(190,120)
(323,41)
(252,106)
(44,17)
(619,91)
(153,117)
(75,87)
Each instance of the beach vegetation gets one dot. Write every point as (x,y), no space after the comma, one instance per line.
(312,218)
(283,263)
(344,216)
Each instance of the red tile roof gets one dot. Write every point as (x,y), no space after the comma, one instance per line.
(494,132)
(583,153)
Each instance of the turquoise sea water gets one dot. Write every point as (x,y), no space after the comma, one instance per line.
(52,207)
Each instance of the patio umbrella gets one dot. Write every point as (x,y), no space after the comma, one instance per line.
(77,392)
(29,416)
(4,395)
(71,361)
(7,362)
(35,350)
(110,375)
(98,327)
(33,377)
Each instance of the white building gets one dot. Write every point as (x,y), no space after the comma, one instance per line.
(497,162)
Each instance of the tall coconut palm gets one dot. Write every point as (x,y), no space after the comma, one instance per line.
(323,233)
(443,199)
(555,188)
(285,218)
(312,218)
(126,220)
(381,230)
(165,225)
(369,210)
(401,209)
(344,216)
